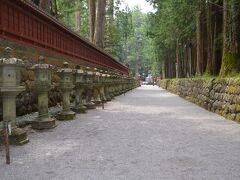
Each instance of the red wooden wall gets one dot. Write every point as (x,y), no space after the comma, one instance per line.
(22,22)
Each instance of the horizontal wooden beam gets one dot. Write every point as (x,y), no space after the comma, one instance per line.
(26,24)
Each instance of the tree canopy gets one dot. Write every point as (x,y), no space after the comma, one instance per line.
(183,38)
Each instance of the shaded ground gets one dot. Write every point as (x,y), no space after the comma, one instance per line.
(147,134)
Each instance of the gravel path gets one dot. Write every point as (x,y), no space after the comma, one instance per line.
(147,134)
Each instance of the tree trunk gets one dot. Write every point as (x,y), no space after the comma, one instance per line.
(137,62)
(199,35)
(36,2)
(92,18)
(236,27)
(78,21)
(99,25)
(218,40)
(109,43)
(78,17)
(181,62)
(186,61)
(177,59)
(164,70)
(190,59)
(125,51)
(214,62)
(55,9)
(210,35)
(231,39)
(45,5)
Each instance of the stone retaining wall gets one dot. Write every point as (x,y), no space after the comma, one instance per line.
(221,96)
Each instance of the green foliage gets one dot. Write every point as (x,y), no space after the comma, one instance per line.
(125,32)
(171,25)
(66,13)
(207,75)
(126,38)
(118,31)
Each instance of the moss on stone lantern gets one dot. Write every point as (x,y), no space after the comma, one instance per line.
(9,88)
(42,86)
(66,86)
(107,87)
(96,87)
(102,80)
(79,82)
(89,89)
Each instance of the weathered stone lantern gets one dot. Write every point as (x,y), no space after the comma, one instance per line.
(111,85)
(9,88)
(115,83)
(42,86)
(66,86)
(96,87)
(107,87)
(89,76)
(118,84)
(89,87)
(79,82)
(125,84)
(102,80)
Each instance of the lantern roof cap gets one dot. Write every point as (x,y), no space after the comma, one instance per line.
(65,68)
(8,58)
(78,69)
(41,64)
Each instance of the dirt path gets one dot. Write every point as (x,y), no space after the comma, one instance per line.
(147,134)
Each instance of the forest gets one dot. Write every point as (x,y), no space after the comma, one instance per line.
(181,39)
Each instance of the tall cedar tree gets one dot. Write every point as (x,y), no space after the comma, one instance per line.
(231,38)
(99,23)
(92,17)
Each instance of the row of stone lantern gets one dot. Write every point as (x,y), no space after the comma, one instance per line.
(99,86)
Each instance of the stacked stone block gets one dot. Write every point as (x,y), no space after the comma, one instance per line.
(221,96)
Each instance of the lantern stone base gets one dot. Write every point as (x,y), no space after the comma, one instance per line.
(112,97)
(108,98)
(18,137)
(66,115)
(79,109)
(90,105)
(104,100)
(98,102)
(46,123)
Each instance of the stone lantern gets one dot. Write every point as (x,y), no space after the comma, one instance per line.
(102,80)
(89,76)
(79,82)
(111,85)
(107,86)
(9,89)
(117,84)
(125,84)
(120,84)
(96,78)
(66,86)
(42,86)
(96,87)
(89,87)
